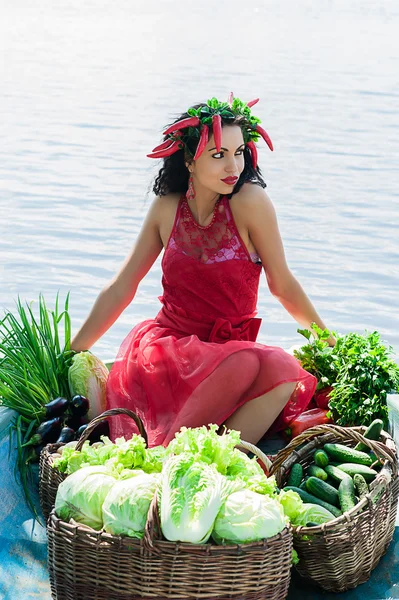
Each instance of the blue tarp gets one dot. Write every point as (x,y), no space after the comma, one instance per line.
(23,549)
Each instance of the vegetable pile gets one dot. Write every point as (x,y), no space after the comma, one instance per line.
(50,387)
(338,478)
(208,490)
(354,376)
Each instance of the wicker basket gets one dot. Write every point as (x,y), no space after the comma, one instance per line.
(88,565)
(341,554)
(50,477)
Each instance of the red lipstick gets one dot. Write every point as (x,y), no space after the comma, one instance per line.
(230,180)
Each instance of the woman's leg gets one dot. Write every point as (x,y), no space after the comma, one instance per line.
(255,417)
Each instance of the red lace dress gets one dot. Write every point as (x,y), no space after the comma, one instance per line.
(198,360)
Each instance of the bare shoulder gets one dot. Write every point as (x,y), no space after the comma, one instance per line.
(164,211)
(250,204)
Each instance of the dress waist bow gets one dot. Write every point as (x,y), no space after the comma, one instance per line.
(219,330)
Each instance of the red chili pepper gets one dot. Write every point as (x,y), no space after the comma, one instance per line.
(309,418)
(322,397)
(167,152)
(265,136)
(230,99)
(254,153)
(190,122)
(252,102)
(203,142)
(163,146)
(217,131)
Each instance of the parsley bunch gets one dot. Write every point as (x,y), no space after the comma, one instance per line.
(360,369)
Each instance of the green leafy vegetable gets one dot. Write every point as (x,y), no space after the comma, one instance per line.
(312,513)
(126,505)
(81,495)
(191,495)
(248,517)
(360,369)
(87,376)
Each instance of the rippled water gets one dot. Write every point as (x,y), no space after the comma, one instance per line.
(86,88)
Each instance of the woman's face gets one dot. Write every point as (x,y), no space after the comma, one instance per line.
(212,167)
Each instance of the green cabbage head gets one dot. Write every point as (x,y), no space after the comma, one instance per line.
(190,497)
(125,508)
(246,517)
(81,495)
(312,513)
(87,376)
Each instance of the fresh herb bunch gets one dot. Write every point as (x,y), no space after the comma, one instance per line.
(317,357)
(33,370)
(366,373)
(359,368)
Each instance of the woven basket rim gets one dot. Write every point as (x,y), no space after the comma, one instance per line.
(208,548)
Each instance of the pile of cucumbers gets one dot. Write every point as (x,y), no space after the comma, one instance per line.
(339,476)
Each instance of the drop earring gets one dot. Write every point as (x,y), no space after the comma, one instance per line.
(190,194)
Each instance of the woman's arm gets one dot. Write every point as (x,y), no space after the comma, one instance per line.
(265,235)
(119,292)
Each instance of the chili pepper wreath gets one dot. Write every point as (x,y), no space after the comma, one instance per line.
(198,124)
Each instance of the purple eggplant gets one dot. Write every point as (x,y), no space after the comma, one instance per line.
(56,408)
(47,432)
(67,435)
(79,406)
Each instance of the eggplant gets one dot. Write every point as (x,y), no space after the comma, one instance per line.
(46,433)
(81,429)
(67,435)
(79,406)
(56,407)
(75,422)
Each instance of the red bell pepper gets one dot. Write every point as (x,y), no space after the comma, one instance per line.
(322,397)
(309,418)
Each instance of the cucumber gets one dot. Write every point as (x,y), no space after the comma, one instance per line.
(361,485)
(353,468)
(346,492)
(318,472)
(320,458)
(336,473)
(341,453)
(303,484)
(322,490)
(306,497)
(372,432)
(296,474)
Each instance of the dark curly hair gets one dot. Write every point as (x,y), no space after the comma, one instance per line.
(173,175)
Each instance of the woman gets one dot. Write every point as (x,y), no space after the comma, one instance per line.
(198,361)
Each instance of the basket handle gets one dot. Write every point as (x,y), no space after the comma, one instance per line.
(111,413)
(258,453)
(342,432)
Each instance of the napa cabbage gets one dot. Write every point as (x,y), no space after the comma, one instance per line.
(246,517)
(87,376)
(81,495)
(191,495)
(126,506)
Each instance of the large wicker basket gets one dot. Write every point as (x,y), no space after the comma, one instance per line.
(88,565)
(341,554)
